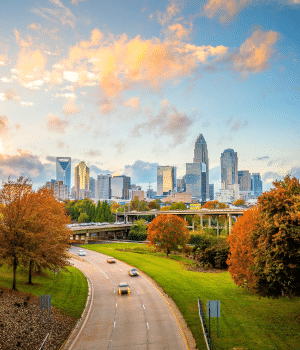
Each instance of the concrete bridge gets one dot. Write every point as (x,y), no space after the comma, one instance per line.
(228,213)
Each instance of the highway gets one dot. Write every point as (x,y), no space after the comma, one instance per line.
(142,320)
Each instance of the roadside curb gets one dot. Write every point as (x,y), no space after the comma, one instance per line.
(68,344)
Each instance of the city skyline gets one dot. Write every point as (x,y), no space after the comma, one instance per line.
(126,87)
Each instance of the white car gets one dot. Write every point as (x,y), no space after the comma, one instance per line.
(81,252)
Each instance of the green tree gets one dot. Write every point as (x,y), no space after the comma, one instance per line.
(179,205)
(83,217)
(138,231)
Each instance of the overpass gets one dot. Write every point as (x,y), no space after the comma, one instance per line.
(228,213)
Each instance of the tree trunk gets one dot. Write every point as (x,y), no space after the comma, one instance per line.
(30,272)
(15,264)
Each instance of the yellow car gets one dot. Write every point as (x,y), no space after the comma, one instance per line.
(124,288)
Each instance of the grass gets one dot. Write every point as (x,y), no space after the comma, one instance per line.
(247,321)
(68,290)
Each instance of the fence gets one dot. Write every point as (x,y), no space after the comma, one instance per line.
(204,328)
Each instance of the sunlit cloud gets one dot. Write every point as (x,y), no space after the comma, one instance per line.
(58,12)
(134,102)
(3,125)
(171,11)
(75,2)
(56,124)
(70,108)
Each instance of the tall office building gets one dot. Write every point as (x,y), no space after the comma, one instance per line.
(120,186)
(201,156)
(229,166)
(195,180)
(166,180)
(103,187)
(92,184)
(63,171)
(211,192)
(82,175)
(244,180)
(256,184)
(60,190)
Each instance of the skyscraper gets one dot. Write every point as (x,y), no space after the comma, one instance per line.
(244,180)
(256,184)
(229,166)
(120,186)
(103,187)
(201,156)
(92,183)
(63,171)
(166,180)
(195,180)
(81,174)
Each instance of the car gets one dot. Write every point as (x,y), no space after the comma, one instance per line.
(81,252)
(124,288)
(111,260)
(133,272)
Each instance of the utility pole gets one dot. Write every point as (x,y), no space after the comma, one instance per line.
(149,188)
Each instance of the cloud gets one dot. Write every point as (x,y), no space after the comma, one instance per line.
(70,108)
(271,176)
(171,11)
(226,10)
(121,147)
(93,153)
(224,139)
(51,159)
(12,95)
(255,53)
(168,122)
(26,164)
(134,102)
(262,158)
(55,124)
(61,144)
(3,125)
(237,124)
(57,12)
(179,30)
(141,172)
(75,2)
(98,171)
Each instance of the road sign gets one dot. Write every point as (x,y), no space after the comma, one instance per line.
(122,203)
(213,308)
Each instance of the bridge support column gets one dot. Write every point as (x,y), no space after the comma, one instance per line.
(226,226)
(201,220)
(230,223)
(77,237)
(209,221)
(218,225)
(193,223)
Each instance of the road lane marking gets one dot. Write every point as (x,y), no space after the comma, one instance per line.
(114,323)
(144,306)
(147,325)
(116,304)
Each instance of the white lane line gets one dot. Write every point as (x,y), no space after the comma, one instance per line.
(116,304)
(138,292)
(114,323)
(144,306)
(147,325)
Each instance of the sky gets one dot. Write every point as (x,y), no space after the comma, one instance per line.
(126,85)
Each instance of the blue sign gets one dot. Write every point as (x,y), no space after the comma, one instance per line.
(213,308)
(122,203)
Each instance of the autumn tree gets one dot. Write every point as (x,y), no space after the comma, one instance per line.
(240,260)
(169,232)
(153,205)
(214,205)
(277,240)
(33,230)
(239,202)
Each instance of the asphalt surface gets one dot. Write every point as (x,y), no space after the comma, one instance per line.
(139,321)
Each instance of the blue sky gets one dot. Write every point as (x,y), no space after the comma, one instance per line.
(129,85)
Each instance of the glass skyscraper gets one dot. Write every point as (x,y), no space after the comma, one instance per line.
(82,175)
(103,186)
(229,166)
(256,184)
(120,186)
(63,171)
(201,156)
(166,180)
(195,180)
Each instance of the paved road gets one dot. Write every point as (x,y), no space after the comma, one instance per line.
(139,321)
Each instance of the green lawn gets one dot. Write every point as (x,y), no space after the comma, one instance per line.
(247,321)
(68,290)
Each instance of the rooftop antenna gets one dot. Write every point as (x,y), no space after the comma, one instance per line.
(149,188)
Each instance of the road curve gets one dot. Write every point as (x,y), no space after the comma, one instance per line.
(142,320)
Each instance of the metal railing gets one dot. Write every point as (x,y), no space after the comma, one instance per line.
(204,328)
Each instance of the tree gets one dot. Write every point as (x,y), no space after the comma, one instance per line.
(240,260)
(179,205)
(153,205)
(138,231)
(214,205)
(33,230)
(169,232)
(239,202)
(277,240)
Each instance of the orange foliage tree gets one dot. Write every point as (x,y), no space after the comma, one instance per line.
(169,232)
(239,202)
(214,205)
(240,260)
(33,228)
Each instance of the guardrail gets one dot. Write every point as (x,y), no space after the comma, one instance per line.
(204,328)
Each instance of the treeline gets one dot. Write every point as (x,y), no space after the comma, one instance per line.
(86,211)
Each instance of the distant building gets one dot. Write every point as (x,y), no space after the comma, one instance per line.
(136,193)
(201,156)
(211,192)
(92,184)
(166,180)
(184,197)
(181,185)
(244,180)
(195,180)
(229,194)
(229,166)
(120,186)
(82,175)
(60,190)
(135,187)
(103,187)
(256,185)
(63,171)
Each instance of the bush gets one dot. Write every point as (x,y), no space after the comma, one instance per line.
(137,236)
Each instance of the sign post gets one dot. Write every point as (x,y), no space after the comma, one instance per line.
(45,305)
(213,310)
